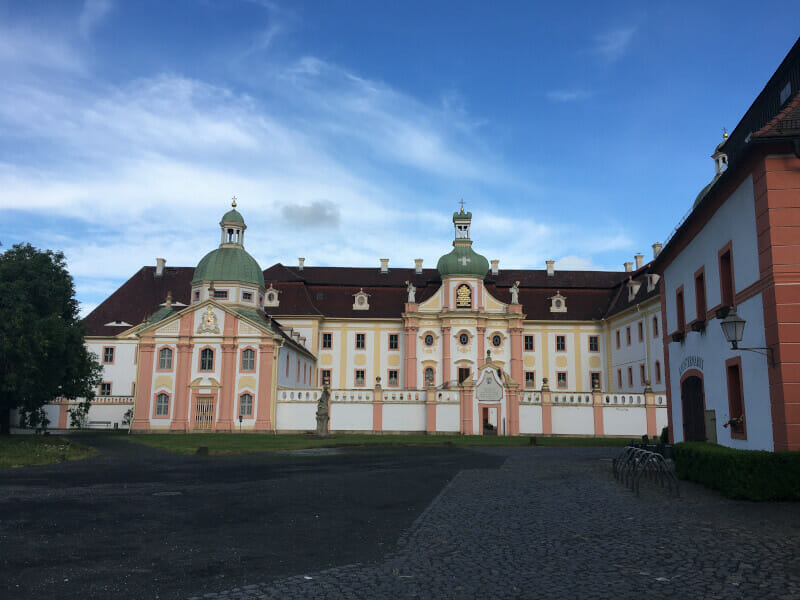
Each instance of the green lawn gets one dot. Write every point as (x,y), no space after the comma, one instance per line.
(221,443)
(26,450)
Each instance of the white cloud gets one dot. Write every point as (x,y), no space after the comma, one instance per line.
(22,49)
(92,13)
(612,45)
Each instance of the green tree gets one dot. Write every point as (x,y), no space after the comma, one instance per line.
(42,356)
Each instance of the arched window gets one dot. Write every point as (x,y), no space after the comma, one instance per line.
(162,405)
(246,405)
(429,375)
(207,360)
(655,326)
(248,360)
(658,372)
(165,359)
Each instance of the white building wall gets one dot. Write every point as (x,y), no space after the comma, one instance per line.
(296,416)
(530,419)
(448,417)
(624,420)
(351,416)
(404,417)
(573,420)
(734,221)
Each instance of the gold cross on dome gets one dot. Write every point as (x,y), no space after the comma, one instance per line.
(462,205)
(233,202)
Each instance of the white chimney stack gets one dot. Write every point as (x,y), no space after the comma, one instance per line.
(656,249)
(495,267)
(418,266)
(628,267)
(551,267)
(638,258)
(301,262)
(160,263)
(384,265)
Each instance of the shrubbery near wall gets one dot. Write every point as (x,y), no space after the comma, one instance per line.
(741,474)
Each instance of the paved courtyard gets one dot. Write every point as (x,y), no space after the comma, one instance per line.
(388,523)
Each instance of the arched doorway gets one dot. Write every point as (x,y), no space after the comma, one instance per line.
(693,405)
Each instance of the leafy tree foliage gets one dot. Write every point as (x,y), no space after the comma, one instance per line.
(42,356)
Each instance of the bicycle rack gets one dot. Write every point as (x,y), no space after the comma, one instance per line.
(633,464)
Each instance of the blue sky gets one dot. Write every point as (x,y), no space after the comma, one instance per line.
(574,131)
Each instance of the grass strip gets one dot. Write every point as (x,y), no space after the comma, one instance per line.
(28,450)
(233,443)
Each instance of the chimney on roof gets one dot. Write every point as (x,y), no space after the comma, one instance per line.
(638,258)
(160,263)
(301,262)
(418,266)
(551,267)
(384,265)
(168,303)
(656,249)
(628,267)
(495,267)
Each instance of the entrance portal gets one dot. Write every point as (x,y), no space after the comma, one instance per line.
(203,413)
(488,420)
(694,427)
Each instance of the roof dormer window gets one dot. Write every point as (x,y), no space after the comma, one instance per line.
(271,297)
(633,289)
(361,300)
(558,303)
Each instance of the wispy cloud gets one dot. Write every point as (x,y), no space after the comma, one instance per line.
(569,95)
(92,13)
(612,45)
(319,213)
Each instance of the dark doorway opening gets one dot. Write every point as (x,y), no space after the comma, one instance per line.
(694,426)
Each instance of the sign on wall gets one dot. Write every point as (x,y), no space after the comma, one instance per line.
(691,362)
(463,296)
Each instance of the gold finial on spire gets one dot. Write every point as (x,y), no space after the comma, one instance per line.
(233,202)
(462,205)
(724,133)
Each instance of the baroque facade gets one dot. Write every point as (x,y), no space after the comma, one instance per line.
(466,347)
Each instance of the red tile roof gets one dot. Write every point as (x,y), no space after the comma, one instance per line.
(328,292)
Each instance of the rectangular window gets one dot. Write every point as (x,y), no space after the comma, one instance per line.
(108,355)
(361,377)
(561,379)
(529,343)
(325,376)
(248,360)
(105,388)
(246,405)
(221,294)
(618,344)
(726,277)
(327,341)
(628,335)
(530,379)
(630,376)
(297,371)
(561,343)
(394,341)
(700,295)
(680,310)
(641,374)
(464,374)
(733,368)
(394,380)
(619,378)
(594,343)
(596,382)
(641,331)
(247,296)
(162,405)
(133,389)
(361,341)
(657,368)
(207,359)
(655,327)
(165,359)
(196,295)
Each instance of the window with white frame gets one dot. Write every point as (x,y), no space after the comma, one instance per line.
(165,359)
(246,405)
(162,405)
(361,377)
(248,360)
(108,355)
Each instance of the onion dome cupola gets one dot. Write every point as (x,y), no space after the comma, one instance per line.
(230,262)
(462,259)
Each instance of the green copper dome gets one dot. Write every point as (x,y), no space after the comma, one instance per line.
(229,264)
(462,260)
(233,216)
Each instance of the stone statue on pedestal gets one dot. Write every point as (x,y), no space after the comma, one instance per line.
(515,293)
(322,411)
(412,292)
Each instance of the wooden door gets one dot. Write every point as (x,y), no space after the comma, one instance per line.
(694,427)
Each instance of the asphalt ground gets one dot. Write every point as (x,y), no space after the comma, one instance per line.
(137,522)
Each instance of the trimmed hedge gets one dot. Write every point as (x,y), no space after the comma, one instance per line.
(741,474)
